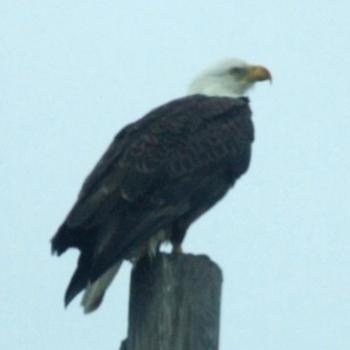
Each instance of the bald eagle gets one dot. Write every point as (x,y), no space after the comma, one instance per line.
(158,176)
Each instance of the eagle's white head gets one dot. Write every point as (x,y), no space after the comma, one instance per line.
(231,78)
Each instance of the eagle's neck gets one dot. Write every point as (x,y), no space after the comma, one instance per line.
(211,86)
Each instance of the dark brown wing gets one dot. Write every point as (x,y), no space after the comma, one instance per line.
(169,142)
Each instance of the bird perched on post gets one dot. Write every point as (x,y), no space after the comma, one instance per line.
(158,176)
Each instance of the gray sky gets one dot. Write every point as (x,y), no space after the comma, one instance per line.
(73,73)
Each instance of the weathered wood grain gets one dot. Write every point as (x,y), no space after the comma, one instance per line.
(174,304)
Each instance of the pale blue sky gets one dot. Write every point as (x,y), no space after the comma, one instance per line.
(73,73)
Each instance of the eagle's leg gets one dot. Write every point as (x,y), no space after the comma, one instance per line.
(177,236)
(177,248)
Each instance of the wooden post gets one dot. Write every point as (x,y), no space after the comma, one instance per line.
(174,304)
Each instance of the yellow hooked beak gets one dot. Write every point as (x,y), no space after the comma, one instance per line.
(258,73)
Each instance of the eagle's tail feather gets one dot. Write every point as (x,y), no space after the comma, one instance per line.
(80,277)
(95,291)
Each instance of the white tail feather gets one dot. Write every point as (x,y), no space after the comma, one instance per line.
(94,291)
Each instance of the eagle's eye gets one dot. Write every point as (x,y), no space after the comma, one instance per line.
(237,70)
